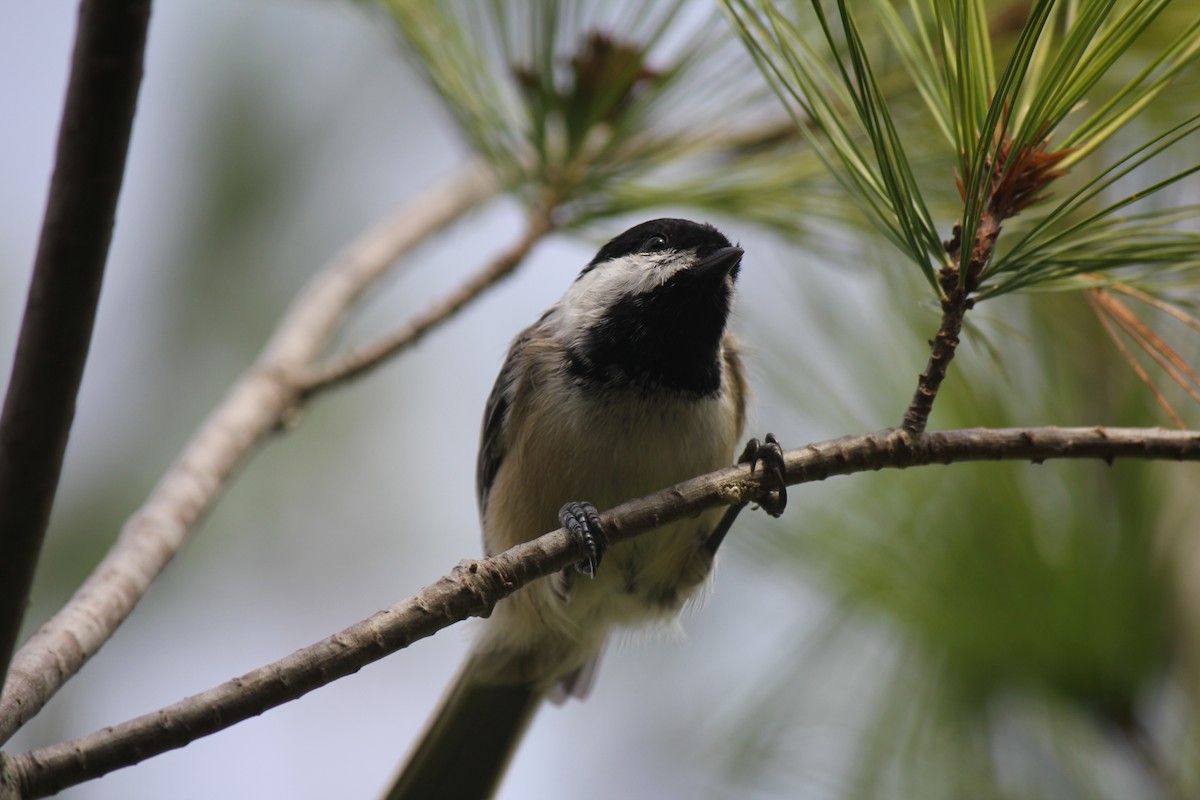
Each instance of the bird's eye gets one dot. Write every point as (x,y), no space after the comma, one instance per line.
(655,242)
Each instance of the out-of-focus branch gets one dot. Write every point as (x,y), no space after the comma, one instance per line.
(370,356)
(261,399)
(716,140)
(52,347)
(474,587)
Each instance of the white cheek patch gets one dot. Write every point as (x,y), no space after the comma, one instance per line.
(601,287)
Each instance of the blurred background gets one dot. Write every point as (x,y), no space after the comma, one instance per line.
(999,630)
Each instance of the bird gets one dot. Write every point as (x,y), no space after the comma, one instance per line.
(629,384)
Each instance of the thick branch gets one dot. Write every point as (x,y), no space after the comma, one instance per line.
(370,356)
(254,406)
(474,587)
(52,347)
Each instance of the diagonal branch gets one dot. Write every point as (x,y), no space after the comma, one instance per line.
(474,587)
(263,398)
(370,356)
(542,222)
(93,141)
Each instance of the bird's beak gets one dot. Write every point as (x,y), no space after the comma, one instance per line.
(723,262)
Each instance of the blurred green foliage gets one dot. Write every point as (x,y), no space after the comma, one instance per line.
(594,110)
(1029,615)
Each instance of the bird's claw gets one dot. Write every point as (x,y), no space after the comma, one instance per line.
(582,521)
(773,500)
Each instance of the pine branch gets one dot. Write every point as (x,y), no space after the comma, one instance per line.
(89,165)
(262,400)
(1017,177)
(956,301)
(475,586)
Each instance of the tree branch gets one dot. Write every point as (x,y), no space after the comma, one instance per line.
(1017,177)
(261,399)
(370,356)
(956,302)
(474,587)
(942,348)
(52,347)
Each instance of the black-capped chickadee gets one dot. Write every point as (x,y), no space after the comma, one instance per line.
(627,385)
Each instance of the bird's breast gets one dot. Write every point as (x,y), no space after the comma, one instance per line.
(608,448)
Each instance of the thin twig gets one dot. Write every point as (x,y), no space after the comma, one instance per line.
(474,587)
(942,348)
(1017,179)
(368,357)
(52,347)
(359,361)
(261,399)
(956,302)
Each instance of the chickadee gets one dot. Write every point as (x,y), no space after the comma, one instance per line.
(627,385)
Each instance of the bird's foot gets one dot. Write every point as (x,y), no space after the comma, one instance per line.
(583,523)
(773,500)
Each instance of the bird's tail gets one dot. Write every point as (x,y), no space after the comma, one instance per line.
(467,746)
